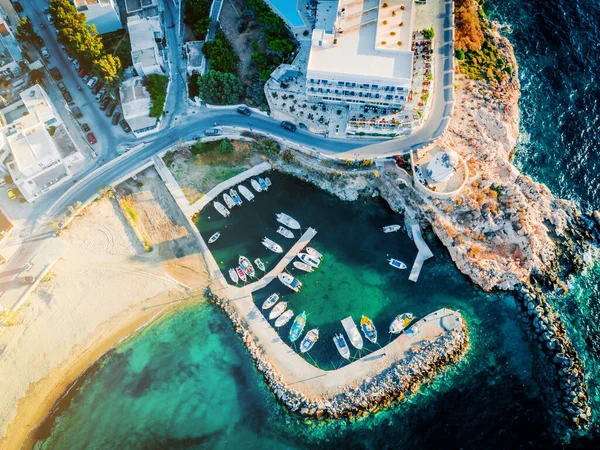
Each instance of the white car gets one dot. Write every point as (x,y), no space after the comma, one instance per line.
(75,62)
(44,52)
(100,95)
(92,82)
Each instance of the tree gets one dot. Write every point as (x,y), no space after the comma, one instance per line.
(469,33)
(36,76)
(108,68)
(26,33)
(157,88)
(221,54)
(429,33)
(220,88)
(197,16)
(227,146)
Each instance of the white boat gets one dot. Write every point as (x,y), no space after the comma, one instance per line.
(272,245)
(285,232)
(221,209)
(309,340)
(277,310)
(214,237)
(268,181)
(313,253)
(246,266)
(236,198)
(341,345)
(241,274)
(248,195)
(284,318)
(255,185)
(396,263)
(259,264)
(390,228)
(352,332)
(302,266)
(400,323)
(288,221)
(307,259)
(263,184)
(270,301)
(233,275)
(229,201)
(289,281)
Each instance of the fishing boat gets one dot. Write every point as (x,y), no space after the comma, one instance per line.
(390,228)
(352,332)
(255,185)
(401,322)
(228,201)
(368,329)
(221,209)
(241,274)
(302,266)
(288,221)
(268,181)
(396,263)
(277,310)
(289,281)
(246,266)
(233,275)
(298,326)
(284,318)
(259,264)
(246,193)
(342,347)
(236,198)
(285,232)
(309,340)
(270,301)
(263,184)
(214,237)
(272,245)
(313,253)
(307,259)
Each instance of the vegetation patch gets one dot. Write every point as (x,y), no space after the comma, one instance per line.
(157,88)
(118,43)
(219,88)
(197,17)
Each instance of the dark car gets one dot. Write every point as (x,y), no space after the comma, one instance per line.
(18,7)
(28,280)
(67,96)
(77,112)
(97,88)
(125,126)
(104,104)
(110,109)
(116,118)
(91,138)
(85,127)
(288,125)
(244,110)
(62,86)
(56,73)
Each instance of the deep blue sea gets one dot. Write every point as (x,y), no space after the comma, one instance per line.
(187,383)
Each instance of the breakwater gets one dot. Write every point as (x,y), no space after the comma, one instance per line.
(400,379)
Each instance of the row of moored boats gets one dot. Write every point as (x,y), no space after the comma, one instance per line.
(232,199)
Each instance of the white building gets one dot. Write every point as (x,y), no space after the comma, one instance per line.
(196,62)
(10,52)
(144,34)
(135,102)
(361,52)
(31,135)
(102,13)
(144,8)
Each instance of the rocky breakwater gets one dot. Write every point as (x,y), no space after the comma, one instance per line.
(394,383)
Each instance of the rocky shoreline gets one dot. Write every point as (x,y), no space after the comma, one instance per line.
(396,382)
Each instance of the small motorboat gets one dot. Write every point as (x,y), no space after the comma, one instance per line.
(263,184)
(309,340)
(391,228)
(255,185)
(270,301)
(277,310)
(298,326)
(259,264)
(233,275)
(236,198)
(307,259)
(284,318)
(246,193)
(221,209)
(313,253)
(268,181)
(342,347)
(272,245)
(396,263)
(352,332)
(289,281)
(246,266)
(214,237)
(285,232)
(241,274)
(401,322)
(368,329)
(302,266)
(288,221)
(229,201)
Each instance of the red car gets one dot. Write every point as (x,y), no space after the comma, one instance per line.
(91,138)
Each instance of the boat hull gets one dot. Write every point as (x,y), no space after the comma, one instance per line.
(278,310)
(234,276)
(309,340)
(297,327)
(288,221)
(368,329)
(284,318)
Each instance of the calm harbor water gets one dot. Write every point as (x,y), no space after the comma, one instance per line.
(187,382)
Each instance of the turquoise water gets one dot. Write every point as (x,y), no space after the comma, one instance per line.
(287,8)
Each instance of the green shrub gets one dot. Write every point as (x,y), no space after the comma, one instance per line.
(429,33)
(157,88)
(219,88)
(227,146)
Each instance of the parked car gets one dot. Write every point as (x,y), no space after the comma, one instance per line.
(244,110)
(125,126)
(12,193)
(104,104)
(28,279)
(75,62)
(62,86)
(27,267)
(96,88)
(213,132)
(111,109)
(85,78)
(91,138)
(100,95)
(67,96)
(81,73)
(18,7)
(116,118)
(56,73)
(85,127)
(46,10)
(93,81)
(77,112)
(288,126)
(44,52)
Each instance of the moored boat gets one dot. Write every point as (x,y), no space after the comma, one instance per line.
(241,274)
(272,245)
(401,322)
(228,201)
(297,326)
(285,232)
(233,275)
(248,195)
(255,185)
(214,237)
(221,209)
(302,266)
(263,184)
(289,281)
(368,329)
(309,340)
(390,228)
(307,259)
(270,301)
(353,333)
(259,264)
(284,318)
(236,198)
(313,253)
(342,346)
(268,181)
(396,263)
(277,310)
(246,266)
(288,221)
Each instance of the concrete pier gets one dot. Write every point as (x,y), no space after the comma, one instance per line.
(423,255)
